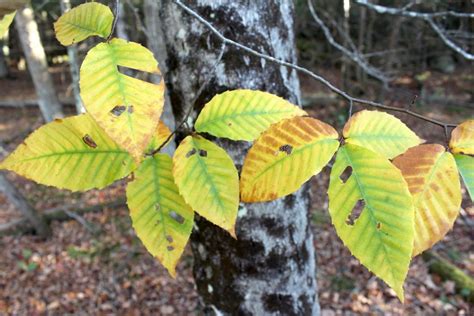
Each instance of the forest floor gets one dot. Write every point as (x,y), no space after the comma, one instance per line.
(98,266)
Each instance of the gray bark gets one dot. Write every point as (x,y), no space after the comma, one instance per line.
(3,63)
(270,268)
(37,64)
(15,197)
(73,65)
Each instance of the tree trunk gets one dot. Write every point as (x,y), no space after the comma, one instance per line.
(270,268)
(73,65)
(37,64)
(15,197)
(3,62)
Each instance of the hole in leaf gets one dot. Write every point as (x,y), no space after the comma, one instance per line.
(346,174)
(191,152)
(118,110)
(169,238)
(89,141)
(202,153)
(170,248)
(286,148)
(379,225)
(130,109)
(178,218)
(355,213)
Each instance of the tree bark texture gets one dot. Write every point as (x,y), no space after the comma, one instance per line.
(15,197)
(37,64)
(3,62)
(270,268)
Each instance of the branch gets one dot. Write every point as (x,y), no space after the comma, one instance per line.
(117,8)
(428,17)
(354,55)
(329,85)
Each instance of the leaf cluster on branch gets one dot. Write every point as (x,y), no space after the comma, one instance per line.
(390,196)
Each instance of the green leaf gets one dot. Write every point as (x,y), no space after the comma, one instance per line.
(466,169)
(208,180)
(72,153)
(126,108)
(380,132)
(161,218)
(83,21)
(285,156)
(5,23)
(381,236)
(243,114)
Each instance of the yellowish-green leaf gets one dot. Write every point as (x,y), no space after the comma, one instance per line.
(127,109)
(161,136)
(462,138)
(372,211)
(72,153)
(244,114)
(285,156)
(161,218)
(466,169)
(83,21)
(380,132)
(433,181)
(5,23)
(208,180)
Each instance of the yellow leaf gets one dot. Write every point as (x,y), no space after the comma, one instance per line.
(161,136)
(5,23)
(433,181)
(72,153)
(127,109)
(372,211)
(83,21)
(286,156)
(243,114)
(161,218)
(462,138)
(380,132)
(208,180)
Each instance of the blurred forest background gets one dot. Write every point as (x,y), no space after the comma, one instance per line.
(92,261)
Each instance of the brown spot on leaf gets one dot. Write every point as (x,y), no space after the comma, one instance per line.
(191,152)
(286,148)
(157,207)
(355,213)
(58,120)
(379,225)
(202,153)
(118,110)
(177,217)
(130,109)
(89,141)
(229,124)
(170,248)
(346,174)
(169,238)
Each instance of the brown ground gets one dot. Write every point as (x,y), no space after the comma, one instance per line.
(102,268)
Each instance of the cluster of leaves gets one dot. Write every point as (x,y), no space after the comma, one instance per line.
(390,196)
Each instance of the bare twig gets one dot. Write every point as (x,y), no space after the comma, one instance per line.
(117,8)
(191,105)
(313,75)
(353,54)
(428,17)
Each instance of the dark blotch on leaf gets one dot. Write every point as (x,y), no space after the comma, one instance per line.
(355,213)
(169,238)
(286,148)
(346,174)
(118,110)
(379,225)
(191,152)
(157,207)
(170,248)
(202,153)
(89,141)
(176,217)
(130,109)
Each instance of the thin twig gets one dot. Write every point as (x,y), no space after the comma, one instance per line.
(117,8)
(313,75)
(191,105)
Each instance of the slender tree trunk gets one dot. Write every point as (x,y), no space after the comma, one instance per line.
(15,197)
(73,65)
(270,268)
(3,62)
(37,64)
